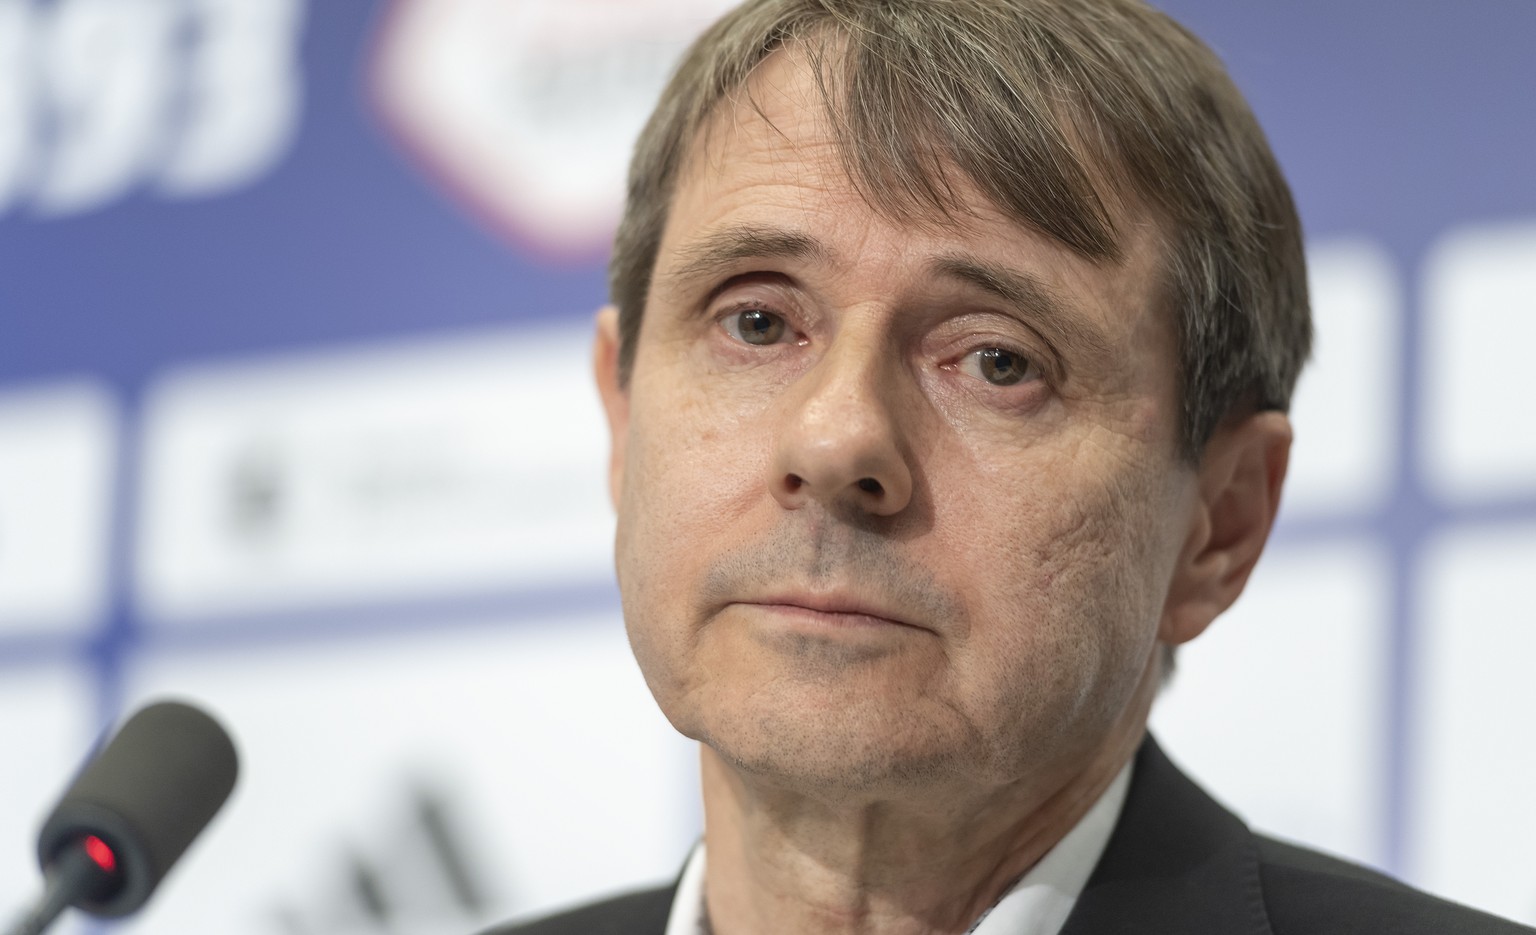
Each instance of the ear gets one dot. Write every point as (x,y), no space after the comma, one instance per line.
(1239,478)
(605,368)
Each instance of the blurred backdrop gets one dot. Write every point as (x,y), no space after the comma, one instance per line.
(295,421)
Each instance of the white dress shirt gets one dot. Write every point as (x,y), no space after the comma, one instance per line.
(1036,905)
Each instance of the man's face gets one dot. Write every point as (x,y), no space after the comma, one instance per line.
(897,502)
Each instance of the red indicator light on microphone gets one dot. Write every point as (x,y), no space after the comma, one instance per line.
(98,851)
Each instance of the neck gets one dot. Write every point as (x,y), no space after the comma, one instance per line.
(932,861)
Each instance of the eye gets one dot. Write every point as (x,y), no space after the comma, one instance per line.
(754,326)
(999,366)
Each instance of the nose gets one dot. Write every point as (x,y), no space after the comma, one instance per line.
(840,440)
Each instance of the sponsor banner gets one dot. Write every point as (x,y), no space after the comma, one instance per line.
(527,111)
(181,98)
(472,465)
(58,464)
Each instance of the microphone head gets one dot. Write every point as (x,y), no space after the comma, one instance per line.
(146,795)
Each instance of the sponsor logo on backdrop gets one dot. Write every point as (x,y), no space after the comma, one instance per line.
(185,98)
(427,470)
(527,111)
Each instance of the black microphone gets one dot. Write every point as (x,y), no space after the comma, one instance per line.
(131,812)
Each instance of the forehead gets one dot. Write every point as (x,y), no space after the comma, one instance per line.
(794,115)
(920,144)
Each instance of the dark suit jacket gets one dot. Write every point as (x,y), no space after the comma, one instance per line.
(1177,864)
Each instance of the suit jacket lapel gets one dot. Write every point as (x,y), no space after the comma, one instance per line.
(1177,862)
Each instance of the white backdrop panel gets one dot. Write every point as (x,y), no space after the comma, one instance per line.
(1480,327)
(1279,708)
(1344,411)
(1474,814)
(46,716)
(557,775)
(58,457)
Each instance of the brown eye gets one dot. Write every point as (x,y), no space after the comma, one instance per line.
(755,326)
(999,366)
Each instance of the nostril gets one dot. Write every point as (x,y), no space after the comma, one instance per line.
(794,482)
(870,485)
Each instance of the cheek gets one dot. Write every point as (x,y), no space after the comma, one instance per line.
(693,468)
(1085,511)
(1104,554)
(692,479)
(1067,572)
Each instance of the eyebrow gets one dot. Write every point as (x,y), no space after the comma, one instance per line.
(1029,295)
(723,249)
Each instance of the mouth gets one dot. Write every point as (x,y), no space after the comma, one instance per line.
(827,611)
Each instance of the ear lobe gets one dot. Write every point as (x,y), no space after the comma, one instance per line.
(1240,476)
(605,369)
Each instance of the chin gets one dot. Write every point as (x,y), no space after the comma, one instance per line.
(839,775)
(857,750)
(837,743)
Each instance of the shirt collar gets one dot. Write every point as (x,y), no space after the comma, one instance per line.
(1036,905)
